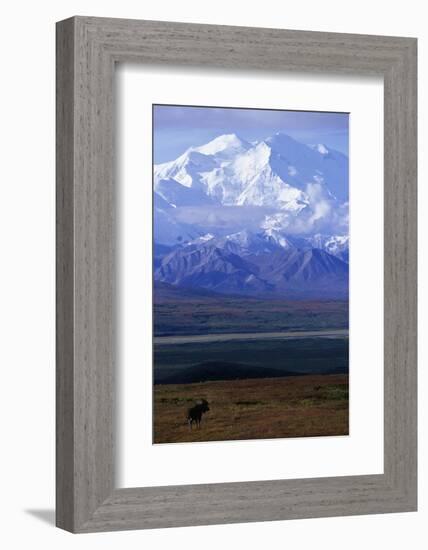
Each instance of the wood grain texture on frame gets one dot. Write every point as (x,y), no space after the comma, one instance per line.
(87,50)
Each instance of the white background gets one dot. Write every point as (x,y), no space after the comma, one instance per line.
(27,272)
(362,451)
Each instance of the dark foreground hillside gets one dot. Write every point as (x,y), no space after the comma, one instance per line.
(248,359)
(298,406)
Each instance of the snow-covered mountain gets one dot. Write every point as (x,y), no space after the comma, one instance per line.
(295,187)
(254,218)
(274,172)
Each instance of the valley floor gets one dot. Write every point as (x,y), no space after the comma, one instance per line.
(296,406)
(182,312)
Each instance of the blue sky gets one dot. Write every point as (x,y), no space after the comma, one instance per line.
(176,128)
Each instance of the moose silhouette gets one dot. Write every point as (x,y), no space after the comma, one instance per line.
(194,414)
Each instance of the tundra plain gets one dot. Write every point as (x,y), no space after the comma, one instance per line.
(294,406)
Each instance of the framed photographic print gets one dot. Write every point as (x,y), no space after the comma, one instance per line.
(236,274)
(250,275)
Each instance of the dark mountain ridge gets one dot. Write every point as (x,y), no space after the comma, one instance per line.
(253,267)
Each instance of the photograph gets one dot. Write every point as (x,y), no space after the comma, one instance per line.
(250,273)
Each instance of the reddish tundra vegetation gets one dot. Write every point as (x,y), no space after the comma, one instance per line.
(295,406)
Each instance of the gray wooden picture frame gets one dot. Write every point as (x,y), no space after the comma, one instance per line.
(87,50)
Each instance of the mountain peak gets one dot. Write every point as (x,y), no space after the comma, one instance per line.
(222,143)
(229,138)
